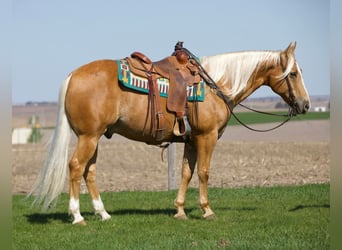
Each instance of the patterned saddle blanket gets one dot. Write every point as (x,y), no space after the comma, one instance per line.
(195,93)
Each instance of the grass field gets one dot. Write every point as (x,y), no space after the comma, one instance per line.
(294,217)
(254,118)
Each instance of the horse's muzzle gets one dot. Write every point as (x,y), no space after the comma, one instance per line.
(301,106)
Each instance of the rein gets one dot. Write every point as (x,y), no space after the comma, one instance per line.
(288,117)
(229,103)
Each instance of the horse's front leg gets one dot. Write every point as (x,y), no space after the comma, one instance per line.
(188,167)
(205,147)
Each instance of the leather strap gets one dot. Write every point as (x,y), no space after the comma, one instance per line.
(157,117)
(159,127)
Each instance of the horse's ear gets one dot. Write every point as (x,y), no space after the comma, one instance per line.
(290,49)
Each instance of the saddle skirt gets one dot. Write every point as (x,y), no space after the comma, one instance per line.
(195,92)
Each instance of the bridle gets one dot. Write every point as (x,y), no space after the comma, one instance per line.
(292,97)
(229,103)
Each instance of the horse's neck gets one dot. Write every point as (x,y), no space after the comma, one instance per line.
(253,84)
(239,74)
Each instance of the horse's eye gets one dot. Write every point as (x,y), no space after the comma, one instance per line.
(293,74)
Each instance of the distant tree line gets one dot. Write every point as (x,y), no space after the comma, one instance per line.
(35,103)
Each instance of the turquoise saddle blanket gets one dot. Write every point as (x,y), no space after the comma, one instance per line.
(195,93)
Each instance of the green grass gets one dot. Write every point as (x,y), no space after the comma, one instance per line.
(254,118)
(246,218)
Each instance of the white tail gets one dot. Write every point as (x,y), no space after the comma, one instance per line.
(50,181)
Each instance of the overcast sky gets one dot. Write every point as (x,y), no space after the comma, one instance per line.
(52,38)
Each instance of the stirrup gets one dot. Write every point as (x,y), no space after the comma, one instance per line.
(181,127)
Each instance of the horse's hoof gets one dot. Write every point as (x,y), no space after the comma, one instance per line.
(104,215)
(106,218)
(180,216)
(210,216)
(82,223)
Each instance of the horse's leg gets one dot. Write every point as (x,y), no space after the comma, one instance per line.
(205,147)
(83,156)
(189,162)
(90,178)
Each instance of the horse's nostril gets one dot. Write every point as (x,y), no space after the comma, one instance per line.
(306,107)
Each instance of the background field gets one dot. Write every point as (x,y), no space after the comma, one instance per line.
(295,154)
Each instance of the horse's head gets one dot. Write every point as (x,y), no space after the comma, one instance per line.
(287,81)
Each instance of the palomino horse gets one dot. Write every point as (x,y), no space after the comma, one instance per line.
(93,103)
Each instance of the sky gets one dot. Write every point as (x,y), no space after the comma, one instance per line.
(52,38)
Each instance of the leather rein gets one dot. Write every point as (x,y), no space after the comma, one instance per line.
(230,104)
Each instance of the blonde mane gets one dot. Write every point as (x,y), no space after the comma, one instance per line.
(233,70)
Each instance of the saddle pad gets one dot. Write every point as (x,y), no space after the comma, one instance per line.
(195,93)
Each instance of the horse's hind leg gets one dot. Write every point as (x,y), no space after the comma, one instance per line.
(83,158)
(90,178)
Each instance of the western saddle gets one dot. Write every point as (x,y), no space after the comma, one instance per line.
(181,70)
